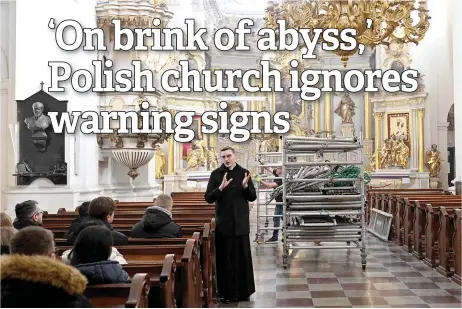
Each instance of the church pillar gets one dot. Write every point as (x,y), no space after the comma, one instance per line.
(317,117)
(421,151)
(378,137)
(171,156)
(367,117)
(457,72)
(328,113)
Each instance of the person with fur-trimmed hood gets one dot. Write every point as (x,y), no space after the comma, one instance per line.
(32,278)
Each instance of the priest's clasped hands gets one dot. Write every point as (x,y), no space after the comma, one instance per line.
(225,183)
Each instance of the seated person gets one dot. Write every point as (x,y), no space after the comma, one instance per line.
(102,209)
(6,233)
(28,213)
(5,220)
(32,278)
(157,221)
(90,255)
(115,254)
(83,214)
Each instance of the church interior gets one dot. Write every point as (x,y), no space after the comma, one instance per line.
(363,194)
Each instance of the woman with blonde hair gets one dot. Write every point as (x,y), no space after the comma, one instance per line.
(5,220)
(6,234)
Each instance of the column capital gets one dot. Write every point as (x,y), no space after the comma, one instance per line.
(379,115)
(421,112)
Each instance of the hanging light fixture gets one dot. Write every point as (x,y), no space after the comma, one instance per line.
(376,21)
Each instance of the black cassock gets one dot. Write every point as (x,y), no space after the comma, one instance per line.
(235,278)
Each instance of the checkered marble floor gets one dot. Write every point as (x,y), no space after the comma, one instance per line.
(334,278)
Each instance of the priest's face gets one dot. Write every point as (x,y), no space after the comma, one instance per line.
(229,158)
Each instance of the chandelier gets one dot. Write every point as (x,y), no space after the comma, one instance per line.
(376,21)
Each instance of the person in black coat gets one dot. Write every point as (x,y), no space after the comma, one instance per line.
(90,255)
(231,188)
(157,221)
(32,278)
(102,209)
(83,214)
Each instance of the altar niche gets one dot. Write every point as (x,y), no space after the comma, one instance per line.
(41,150)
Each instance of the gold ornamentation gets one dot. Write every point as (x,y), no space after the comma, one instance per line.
(379,115)
(433,161)
(389,20)
(196,155)
(421,112)
(346,109)
(160,162)
(212,159)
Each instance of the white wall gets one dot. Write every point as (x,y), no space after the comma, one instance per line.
(433,58)
(457,65)
(35,46)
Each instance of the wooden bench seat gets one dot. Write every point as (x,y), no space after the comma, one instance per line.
(188,278)
(128,295)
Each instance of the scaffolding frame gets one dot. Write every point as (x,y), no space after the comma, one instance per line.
(318,202)
(261,231)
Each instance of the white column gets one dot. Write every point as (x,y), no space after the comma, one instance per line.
(457,71)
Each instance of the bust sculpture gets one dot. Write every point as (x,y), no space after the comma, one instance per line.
(38,124)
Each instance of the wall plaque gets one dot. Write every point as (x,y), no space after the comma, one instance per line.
(41,150)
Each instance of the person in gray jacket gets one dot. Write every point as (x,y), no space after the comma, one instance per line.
(157,221)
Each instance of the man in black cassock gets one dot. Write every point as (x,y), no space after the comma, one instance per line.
(231,188)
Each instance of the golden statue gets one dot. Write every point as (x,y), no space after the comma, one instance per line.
(295,129)
(346,109)
(199,143)
(433,160)
(194,160)
(212,159)
(197,154)
(400,153)
(234,107)
(385,155)
(160,162)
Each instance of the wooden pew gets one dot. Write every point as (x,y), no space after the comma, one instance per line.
(205,255)
(432,231)
(162,274)
(446,237)
(128,295)
(458,248)
(421,225)
(398,205)
(372,195)
(408,204)
(188,290)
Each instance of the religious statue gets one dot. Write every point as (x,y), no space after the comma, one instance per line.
(295,129)
(212,159)
(199,143)
(38,124)
(197,154)
(160,162)
(346,109)
(385,155)
(234,107)
(194,159)
(400,153)
(433,160)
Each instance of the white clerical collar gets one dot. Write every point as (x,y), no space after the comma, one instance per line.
(232,167)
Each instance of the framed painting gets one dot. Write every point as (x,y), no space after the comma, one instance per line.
(196,127)
(398,125)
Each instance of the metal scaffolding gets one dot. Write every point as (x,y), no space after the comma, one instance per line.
(319,204)
(263,208)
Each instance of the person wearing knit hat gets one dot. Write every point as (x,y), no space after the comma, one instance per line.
(28,213)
